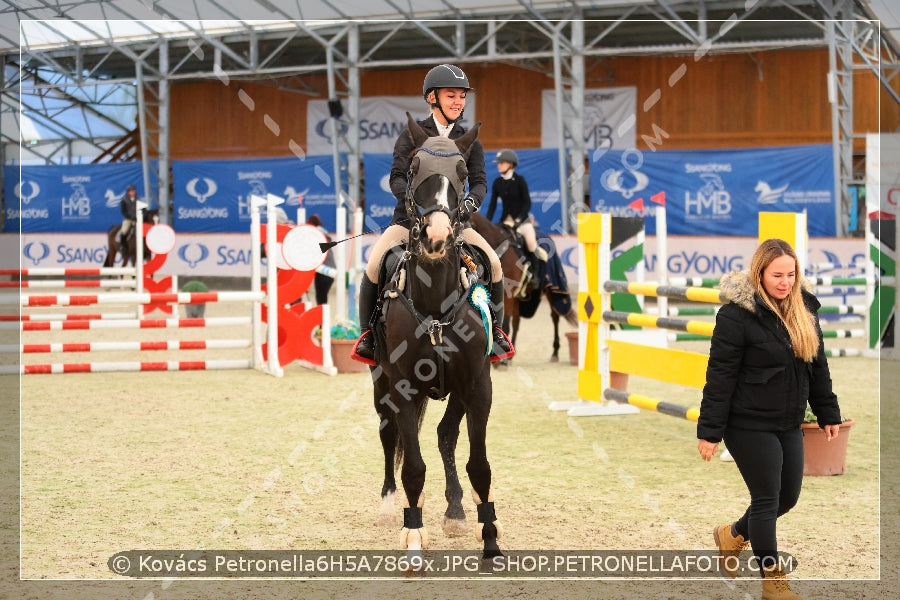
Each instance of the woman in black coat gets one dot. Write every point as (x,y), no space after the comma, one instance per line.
(766,361)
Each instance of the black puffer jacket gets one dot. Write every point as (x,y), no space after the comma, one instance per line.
(754,380)
(400,166)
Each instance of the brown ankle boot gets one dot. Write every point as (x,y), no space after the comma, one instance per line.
(730,546)
(775,585)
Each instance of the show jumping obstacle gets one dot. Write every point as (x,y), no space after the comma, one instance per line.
(283,344)
(599,353)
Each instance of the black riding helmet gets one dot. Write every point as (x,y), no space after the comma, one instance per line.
(509,156)
(444,76)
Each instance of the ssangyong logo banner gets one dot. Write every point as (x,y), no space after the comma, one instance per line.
(214,195)
(718,192)
(67,199)
(228,255)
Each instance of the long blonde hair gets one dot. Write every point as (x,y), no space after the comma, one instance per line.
(797,319)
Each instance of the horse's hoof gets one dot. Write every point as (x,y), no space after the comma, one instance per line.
(554,359)
(387,520)
(502,365)
(387,514)
(456,527)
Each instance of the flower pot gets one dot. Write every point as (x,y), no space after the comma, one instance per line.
(821,457)
(340,357)
(572,336)
(617,381)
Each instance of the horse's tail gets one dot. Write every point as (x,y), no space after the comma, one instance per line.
(572,317)
(420,417)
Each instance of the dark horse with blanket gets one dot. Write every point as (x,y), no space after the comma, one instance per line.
(129,251)
(525,283)
(433,330)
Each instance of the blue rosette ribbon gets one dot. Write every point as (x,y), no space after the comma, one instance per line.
(479,298)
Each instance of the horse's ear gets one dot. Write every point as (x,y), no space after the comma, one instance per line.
(416,132)
(464,143)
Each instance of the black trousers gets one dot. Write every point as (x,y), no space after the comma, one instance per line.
(771,464)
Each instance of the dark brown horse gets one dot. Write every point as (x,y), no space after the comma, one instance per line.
(432,334)
(129,252)
(517,290)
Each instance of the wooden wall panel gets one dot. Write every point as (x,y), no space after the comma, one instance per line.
(722,101)
(238,120)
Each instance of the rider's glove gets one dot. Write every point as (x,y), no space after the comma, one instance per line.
(468,206)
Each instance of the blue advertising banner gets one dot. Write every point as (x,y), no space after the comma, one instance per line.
(380,202)
(538,166)
(719,192)
(67,198)
(214,195)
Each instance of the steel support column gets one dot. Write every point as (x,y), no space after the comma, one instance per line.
(840,92)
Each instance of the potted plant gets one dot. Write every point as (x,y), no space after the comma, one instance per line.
(343,338)
(194,311)
(821,457)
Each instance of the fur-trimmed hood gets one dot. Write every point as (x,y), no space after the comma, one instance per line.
(737,288)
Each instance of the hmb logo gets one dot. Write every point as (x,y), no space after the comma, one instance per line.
(712,198)
(78,205)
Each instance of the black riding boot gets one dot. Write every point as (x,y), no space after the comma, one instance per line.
(364,351)
(502,346)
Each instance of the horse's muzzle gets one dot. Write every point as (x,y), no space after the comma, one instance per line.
(437,234)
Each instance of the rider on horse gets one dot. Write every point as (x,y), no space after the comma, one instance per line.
(128,206)
(445,88)
(512,190)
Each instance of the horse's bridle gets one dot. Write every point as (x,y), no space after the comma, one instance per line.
(417,215)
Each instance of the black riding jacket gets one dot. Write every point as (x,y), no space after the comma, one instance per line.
(753,379)
(128,206)
(403,149)
(513,192)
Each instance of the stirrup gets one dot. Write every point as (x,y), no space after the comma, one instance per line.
(355,355)
(504,354)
